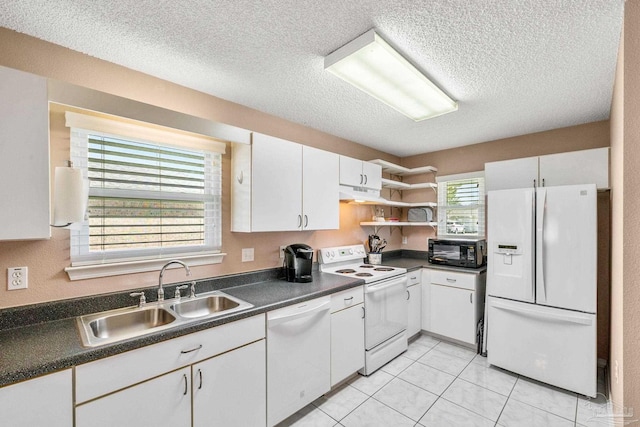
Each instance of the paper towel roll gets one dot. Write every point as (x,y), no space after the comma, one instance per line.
(69,197)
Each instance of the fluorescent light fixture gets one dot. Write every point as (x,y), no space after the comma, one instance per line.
(373,66)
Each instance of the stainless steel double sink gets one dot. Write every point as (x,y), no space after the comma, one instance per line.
(120,324)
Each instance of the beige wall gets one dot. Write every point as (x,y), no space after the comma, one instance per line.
(617,230)
(625,139)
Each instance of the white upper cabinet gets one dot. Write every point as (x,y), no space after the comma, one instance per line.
(277,184)
(320,192)
(280,185)
(24,156)
(572,168)
(358,173)
(517,173)
(576,167)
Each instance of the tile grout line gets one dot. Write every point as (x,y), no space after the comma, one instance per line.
(508,397)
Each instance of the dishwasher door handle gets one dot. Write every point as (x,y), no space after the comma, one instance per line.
(274,321)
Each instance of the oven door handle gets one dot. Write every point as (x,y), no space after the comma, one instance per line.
(383,286)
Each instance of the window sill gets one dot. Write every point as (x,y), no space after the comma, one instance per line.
(129,267)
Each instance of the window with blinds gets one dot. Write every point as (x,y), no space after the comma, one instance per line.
(461,207)
(146,200)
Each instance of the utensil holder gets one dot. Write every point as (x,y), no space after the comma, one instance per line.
(375,259)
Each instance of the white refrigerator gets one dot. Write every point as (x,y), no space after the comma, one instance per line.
(542,284)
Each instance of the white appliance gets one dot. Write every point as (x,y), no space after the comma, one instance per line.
(542,284)
(385,302)
(298,357)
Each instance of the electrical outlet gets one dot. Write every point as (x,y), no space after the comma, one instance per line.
(17,278)
(247,254)
(282,248)
(404,240)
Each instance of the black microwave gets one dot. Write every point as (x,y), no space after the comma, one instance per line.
(458,253)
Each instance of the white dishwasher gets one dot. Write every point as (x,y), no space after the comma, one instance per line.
(298,357)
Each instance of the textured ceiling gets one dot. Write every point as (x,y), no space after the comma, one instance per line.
(514,66)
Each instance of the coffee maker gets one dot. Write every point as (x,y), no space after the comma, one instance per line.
(298,259)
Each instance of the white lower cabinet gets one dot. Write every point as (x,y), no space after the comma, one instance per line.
(414,294)
(43,401)
(163,401)
(347,334)
(452,314)
(230,389)
(456,304)
(220,371)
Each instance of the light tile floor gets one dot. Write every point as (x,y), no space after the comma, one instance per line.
(435,383)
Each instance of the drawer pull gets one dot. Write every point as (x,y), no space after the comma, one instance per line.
(413,277)
(348,299)
(451,280)
(192,350)
(186,384)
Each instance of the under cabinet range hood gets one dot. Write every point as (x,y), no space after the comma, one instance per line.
(360,195)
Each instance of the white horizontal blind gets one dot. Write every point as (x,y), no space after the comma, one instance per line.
(461,207)
(146,200)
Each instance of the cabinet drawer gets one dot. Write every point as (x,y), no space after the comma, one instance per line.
(413,277)
(113,373)
(346,299)
(454,279)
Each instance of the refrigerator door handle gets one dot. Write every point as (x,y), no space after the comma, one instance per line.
(568,318)
(540,277)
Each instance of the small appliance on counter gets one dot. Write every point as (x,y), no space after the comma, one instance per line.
(298,261)
(458,252)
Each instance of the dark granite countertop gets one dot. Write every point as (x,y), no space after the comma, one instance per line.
(49,340)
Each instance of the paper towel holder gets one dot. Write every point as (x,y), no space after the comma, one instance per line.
(69,196)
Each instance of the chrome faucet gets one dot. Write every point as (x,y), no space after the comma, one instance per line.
(160,290)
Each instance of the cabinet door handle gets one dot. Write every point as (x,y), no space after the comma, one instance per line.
(534,183)
(543,182)
(200,377)
(365,180)
(186,384)
(192,350)
(471,298)
(306,221)
(363,312)
(299,221)
(240,177)
(451,280)
(361,179)
(408,295)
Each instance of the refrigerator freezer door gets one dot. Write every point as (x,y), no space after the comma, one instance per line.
(510,228)
(551,345)
(566,246)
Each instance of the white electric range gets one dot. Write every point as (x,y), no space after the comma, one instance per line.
(385,302)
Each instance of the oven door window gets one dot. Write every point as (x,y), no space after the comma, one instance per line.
(386,310)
